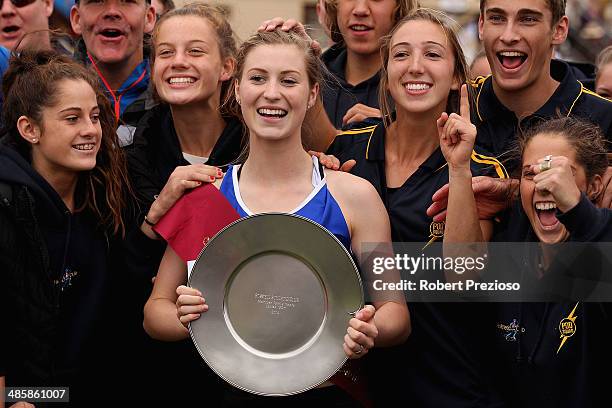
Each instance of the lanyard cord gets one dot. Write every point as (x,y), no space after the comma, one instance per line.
(116,100)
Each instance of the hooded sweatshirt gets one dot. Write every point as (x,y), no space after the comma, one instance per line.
(52,278)
(338,95)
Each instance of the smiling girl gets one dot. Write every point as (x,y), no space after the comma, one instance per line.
(423,71)
(357,27)
(62,180)
(177,143)
(277,81)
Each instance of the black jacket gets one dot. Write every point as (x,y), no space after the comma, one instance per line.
(152,157)
(337,94)
(156,151)
(52,282)
(444,343)
(585,223)
(551,354)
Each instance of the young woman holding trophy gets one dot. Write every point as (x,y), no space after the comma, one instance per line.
(276,82)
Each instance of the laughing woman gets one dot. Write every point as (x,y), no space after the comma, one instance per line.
(563,162)
(277,81)
(61,186)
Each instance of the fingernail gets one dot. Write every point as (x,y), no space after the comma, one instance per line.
(212,178)
(198,183)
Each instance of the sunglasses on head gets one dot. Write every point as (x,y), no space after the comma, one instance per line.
(18,3)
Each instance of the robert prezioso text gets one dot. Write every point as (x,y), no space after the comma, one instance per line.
(438,285)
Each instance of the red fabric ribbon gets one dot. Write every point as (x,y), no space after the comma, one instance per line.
(194,220)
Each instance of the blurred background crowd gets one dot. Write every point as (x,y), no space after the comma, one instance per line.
(590,21)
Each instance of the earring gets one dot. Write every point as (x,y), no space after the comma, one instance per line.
(34,140)
(238,100)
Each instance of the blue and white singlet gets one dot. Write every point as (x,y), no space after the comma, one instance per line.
(320,206)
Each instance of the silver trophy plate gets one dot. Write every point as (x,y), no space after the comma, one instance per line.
(281,290)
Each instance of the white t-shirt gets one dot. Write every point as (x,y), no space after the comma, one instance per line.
(195,159)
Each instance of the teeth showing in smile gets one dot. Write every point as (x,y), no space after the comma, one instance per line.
(512,54)
(85,146)
(545,206)
(511,59)
(359,27)
(181,80)
(417,87)
(276,113)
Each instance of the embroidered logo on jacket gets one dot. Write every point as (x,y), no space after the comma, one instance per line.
(436,231)
(65,281)
(567,327)
(511,330)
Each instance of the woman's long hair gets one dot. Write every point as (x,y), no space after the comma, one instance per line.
(29,85)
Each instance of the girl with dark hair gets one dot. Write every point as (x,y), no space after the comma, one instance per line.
(62,185)
(536,345)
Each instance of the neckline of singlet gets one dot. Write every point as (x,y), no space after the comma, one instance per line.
(318,182)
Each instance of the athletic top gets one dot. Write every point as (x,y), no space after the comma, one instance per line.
(320,206)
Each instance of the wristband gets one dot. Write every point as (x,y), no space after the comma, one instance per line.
(148,222)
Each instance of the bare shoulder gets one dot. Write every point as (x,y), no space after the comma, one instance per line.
(350,188)
(357,198)
(362,207)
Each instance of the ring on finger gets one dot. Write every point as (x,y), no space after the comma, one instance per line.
(361,348)
(546,164)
